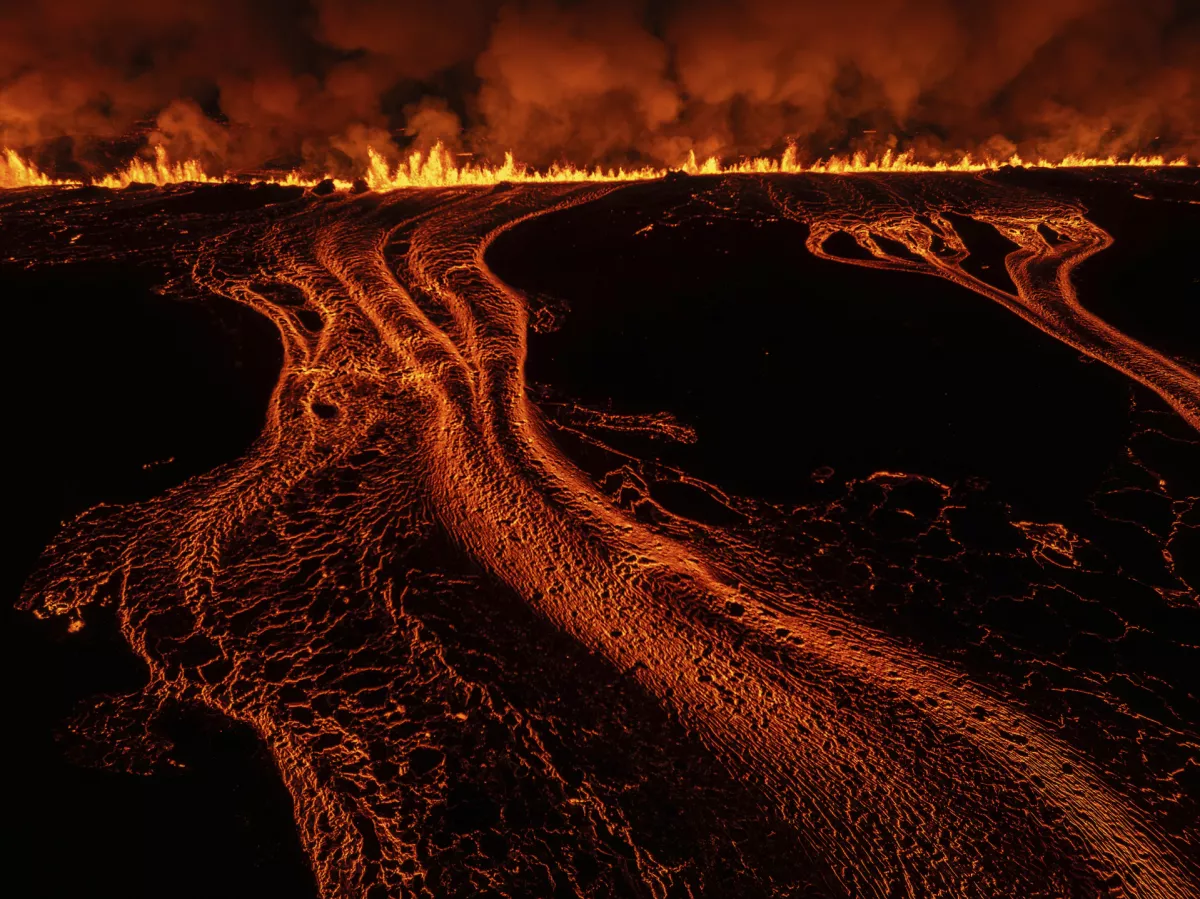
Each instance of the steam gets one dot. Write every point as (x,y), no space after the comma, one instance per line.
(243,85)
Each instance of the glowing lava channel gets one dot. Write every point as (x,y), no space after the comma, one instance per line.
(1052,240)
(281,590)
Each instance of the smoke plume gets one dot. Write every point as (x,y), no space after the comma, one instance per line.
(245,84)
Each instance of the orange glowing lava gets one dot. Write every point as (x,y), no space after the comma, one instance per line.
(16,172)
(439,168)
(291,589)
(1040,268)
(160,172)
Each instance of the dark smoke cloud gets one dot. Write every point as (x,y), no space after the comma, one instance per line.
(587,82)
(250,83)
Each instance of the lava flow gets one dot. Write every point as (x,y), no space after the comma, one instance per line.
(315,588)
(1051,242)
(440,168)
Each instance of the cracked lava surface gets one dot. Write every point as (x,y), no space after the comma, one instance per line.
(484,670)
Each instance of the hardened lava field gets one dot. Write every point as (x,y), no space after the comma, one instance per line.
(752,535)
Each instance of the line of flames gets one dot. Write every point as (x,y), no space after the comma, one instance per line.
(440,168)
(17,172)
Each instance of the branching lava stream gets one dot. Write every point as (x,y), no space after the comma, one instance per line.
(286,590)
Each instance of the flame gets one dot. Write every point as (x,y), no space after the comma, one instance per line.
(1073,161)
(160,172)
(16,172)
(439,168)
(907,162)
(859,162)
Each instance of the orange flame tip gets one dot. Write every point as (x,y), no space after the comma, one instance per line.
(439,168)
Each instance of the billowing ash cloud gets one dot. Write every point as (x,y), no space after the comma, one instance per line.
(251,83)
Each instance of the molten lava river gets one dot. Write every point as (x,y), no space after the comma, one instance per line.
(503,637)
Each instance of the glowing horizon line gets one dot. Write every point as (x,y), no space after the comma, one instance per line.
(439,169)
